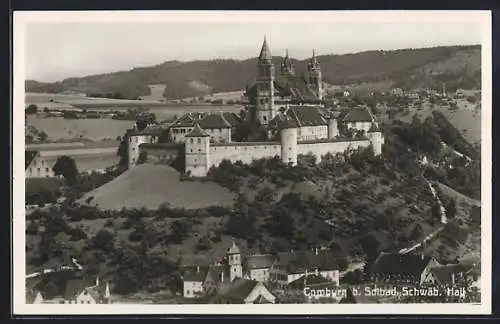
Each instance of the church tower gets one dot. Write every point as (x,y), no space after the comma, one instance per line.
(315,79)
(234,259)
(287,66)
(265,85)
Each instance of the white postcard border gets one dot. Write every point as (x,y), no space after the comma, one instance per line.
(22,18)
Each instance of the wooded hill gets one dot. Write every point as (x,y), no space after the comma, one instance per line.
(458,66)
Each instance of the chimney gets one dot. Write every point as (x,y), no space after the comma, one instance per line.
(316,251)
(198,269)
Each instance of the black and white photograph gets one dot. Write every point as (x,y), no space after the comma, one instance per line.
(281,162)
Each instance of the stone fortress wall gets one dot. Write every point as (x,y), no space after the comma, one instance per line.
(201,155)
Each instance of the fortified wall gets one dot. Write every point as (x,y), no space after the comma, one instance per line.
(201,155)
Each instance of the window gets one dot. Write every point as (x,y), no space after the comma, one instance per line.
(199,140)
(265,118)
(30,170)
(81,302)
(191,141)
(187,292)
(88,301)
(220,130)
(199,150)
(46,169)
(38,170)
(191,150)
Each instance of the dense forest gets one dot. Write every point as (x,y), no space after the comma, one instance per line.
(458,66)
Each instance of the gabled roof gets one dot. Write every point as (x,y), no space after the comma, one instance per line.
(307,260)
(31,295)
(401,264)
(208,120)
(197,132)
(197,274)
(310,280)
(359,115)
(75,287)
(29,156)
(307,115)
(150,130)
(238,289)
(444,274)
(212,121)
(295,87)
(260,261)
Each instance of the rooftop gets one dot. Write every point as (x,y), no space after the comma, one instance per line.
(197,132)
(404,264)
(359,115)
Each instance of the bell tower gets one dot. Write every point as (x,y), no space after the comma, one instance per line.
(315,78)
(235,265)
(265,85)
(287,66)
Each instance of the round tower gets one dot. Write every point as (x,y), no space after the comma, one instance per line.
(134,141)
(235,264)
(333,130)
(197,152)
(289,143)
(375,136)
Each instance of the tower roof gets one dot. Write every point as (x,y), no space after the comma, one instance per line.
(314,60)
(265,52)
(234,249)
(197,132)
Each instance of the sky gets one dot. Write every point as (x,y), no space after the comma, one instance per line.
(55,50)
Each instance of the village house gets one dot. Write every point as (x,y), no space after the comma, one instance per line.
(290,266)
(401,268)
(360,118)
(311,121)
(199,281)
(81,291)
(36,166)
(218,125)
(452,275)
(244,291)
(311,283)
(398,92)
(34,296)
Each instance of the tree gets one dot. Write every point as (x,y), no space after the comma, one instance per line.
(66,166)
(103,240)
(143,157)
(42,136)
(451,209)
(122,152)
(31,109)
(179,231)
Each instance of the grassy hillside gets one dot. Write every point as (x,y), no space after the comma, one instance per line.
(148,186)
(458,66)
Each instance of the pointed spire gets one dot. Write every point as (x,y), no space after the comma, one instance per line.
(265,54)
(286,55)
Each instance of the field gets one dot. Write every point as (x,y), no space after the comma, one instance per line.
(94,129)
(99,129)
(149,186)
(465,119)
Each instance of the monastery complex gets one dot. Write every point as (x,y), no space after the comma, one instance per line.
(289,108)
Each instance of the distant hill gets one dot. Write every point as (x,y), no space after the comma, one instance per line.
(458,66)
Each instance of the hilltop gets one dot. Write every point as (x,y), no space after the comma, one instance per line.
(148,186)
(458,66)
